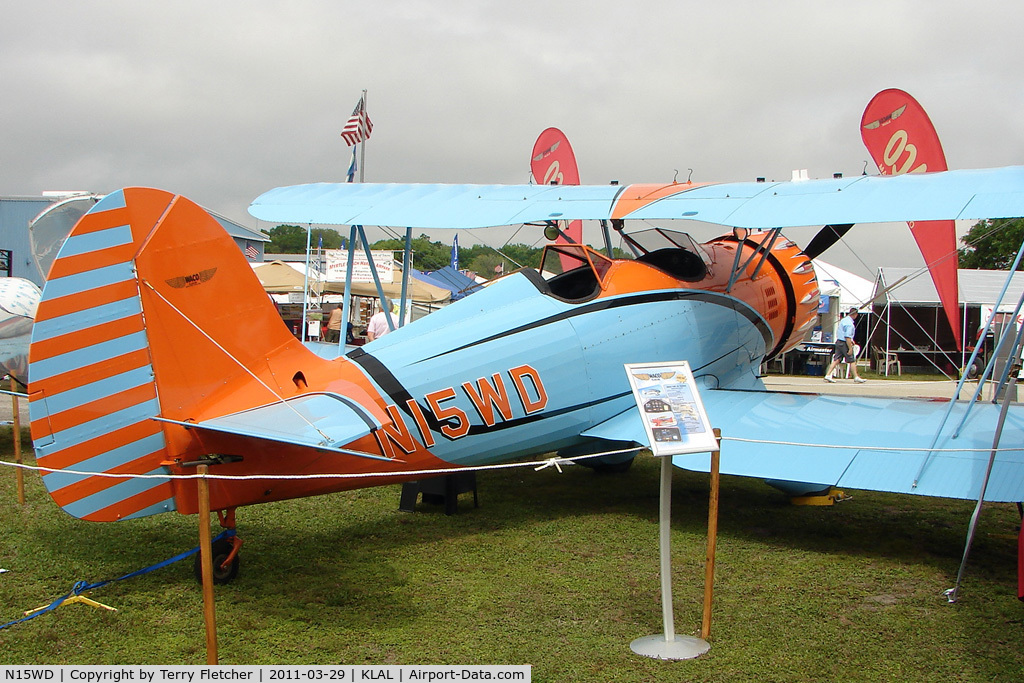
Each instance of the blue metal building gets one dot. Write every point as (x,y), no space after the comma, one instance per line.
(16,212)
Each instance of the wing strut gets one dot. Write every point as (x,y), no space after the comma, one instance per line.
(762,247)
(970,362)
(952,593)
(607,239)
(619,226)
(376,278)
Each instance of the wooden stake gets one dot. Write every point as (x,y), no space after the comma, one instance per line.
(709,568)
(206,562)
(16,426)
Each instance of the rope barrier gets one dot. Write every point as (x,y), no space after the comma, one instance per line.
(536,464)
(81,587)
(895,449)
(779,379)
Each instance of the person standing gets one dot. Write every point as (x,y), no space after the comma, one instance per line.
(334,326)
(844,352)
(378,325)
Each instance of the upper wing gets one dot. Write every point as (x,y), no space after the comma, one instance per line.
(970,194)
(878,444)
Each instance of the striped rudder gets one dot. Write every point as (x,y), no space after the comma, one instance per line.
(92,390)
(151,311)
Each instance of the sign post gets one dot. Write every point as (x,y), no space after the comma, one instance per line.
(675,422)
(709,567)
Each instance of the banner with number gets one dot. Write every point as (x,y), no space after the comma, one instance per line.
(553,162)
(901,139)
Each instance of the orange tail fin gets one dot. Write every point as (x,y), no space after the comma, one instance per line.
(125,332)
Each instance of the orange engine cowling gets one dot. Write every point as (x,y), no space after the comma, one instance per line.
(781,285)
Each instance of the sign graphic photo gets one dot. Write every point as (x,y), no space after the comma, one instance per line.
(670,408)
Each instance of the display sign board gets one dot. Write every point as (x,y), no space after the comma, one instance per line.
(337,260)
(670,408)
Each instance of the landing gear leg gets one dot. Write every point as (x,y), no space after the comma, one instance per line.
(225,551)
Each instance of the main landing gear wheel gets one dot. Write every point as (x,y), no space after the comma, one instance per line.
(225,552)
(976,368)
(613,464)
(223,570)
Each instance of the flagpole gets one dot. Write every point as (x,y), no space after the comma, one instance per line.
(362,143)
(361,132)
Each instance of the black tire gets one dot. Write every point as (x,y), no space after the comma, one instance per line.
(605,467)
(221,550)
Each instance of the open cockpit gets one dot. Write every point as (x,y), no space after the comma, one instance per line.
(576,272)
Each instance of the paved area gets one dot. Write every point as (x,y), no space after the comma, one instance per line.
(7,408)
(872,387)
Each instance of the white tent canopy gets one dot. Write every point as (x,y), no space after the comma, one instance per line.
(852,290)
(977,287)
(910,308)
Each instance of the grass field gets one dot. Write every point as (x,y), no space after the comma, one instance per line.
(555,570)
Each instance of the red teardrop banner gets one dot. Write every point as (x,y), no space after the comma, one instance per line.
(901,139)
(553,162)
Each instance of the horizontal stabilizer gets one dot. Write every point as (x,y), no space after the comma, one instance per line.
(324,421)
(877,444)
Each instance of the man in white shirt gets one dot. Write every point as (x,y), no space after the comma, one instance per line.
(844,347)
(378,325)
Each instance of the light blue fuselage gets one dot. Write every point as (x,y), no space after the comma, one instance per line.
(576,349)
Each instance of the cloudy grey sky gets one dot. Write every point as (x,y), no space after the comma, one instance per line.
(221,101)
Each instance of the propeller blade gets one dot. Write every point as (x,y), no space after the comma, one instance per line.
(825,238)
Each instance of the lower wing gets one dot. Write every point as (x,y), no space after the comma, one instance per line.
(878,444)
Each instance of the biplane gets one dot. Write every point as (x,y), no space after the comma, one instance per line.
(155,348)
(19,297)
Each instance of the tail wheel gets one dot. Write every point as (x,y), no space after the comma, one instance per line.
(222,573)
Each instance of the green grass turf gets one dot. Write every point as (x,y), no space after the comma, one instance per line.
(559,571)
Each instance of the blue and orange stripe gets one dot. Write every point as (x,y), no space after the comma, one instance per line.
(92,389)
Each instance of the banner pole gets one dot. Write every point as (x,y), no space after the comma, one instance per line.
(16,426)
(206,562)
(709,568)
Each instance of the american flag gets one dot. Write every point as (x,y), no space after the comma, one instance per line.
(251,252)
(358,127)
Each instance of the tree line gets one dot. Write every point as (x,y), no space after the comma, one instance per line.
(989,245)
(992,244)
(428,255)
